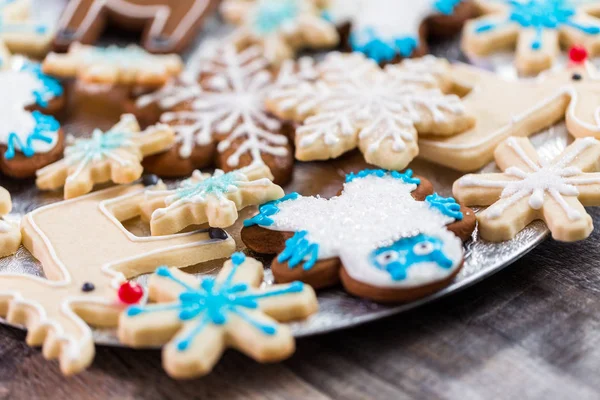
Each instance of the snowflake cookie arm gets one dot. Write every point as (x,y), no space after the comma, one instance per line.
(204,198)
(10,234)
(197,320)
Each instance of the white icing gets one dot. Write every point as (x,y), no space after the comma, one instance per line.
(370,212)
(5,226)
(557,179)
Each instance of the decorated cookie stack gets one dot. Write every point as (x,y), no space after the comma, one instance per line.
(265,124)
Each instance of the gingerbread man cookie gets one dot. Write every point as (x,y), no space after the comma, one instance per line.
(280,27)
(198,320)
(535,27)
(168,25)
(113,65)
(387,237)
(87,254)
(222,116)
(10,234)
(354,103)
(204,198)
(115,156)
(29,139)
(531,188)
(20,34)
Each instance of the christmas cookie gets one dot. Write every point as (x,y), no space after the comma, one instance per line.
(535,27)
(113,65)
(114,156)
(213,199)
(168,26)
(10,234)
(531,188)
(198,320)
(354,103)
(19,33)
(280,27)
(29,139)
(533,104)
(387,237)
(87,255)
(222,116)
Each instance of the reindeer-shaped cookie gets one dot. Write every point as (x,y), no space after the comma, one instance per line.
(387,237)
(520,107)
(167,25)
(86,254)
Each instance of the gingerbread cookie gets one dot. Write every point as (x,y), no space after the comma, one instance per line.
(531,188)
(535,27)
(168,25)
(10,234)
(19,33)
(114,156)
(29,139)
(223,116)
(354,103)
(204,198)
(87,255)
(280,27)
(113,65)
(198,320)
(387,237)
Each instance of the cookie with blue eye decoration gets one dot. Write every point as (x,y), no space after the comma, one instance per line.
(30,136)
(386,237)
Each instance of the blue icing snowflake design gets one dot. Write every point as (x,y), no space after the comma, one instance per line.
(214,302)
(297,248)
(540,15)
(406,176)
(446,7)
(44,131)
(50,89)
(446,205)
(272,14)
(405,253)
(267,210)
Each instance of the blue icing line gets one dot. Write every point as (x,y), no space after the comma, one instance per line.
(213,302)
(405,253)
(51,87)
(44,126)
(296,250)
(267,210)
(446,7)
(446,205)
(406,176)
(540,15)
(272,14)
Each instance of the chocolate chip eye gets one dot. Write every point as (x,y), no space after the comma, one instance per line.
(217,233)
(576,77)
(150,180)
(87,287)
(387,257)
(422,249)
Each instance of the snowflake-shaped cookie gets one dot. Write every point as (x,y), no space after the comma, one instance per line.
(18,32)
(199,319)
(280,27)
(209,198)
(385,29)
(387,230)
(10,234)
(354,103)
(226,106)
(129,65)
(537,27)
(115,156)
(531,188)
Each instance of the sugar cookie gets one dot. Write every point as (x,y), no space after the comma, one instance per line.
(114,155)
(10,234)
(197,320)
(387,237)
(19,33)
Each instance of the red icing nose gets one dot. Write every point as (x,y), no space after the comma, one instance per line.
(578,54)
(130,293)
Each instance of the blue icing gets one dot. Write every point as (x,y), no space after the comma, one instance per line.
(297,248)
(397,258)
(215,302)
(540,15)
(266,210)
(272,14)
(446,7)
(45,126)
(446,205)
(51,88)
(406,176)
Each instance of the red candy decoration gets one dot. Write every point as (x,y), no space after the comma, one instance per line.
(130,293)
(578,54)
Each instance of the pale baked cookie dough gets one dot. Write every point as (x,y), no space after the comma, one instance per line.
(19,33)
(531,189)
(10,234)
(197,320)
(114,156)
